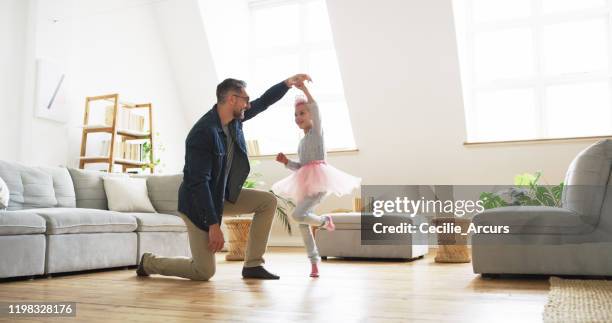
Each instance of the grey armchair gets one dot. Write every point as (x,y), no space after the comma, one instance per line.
(575,239)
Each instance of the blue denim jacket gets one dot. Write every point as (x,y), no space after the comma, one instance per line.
(203,190)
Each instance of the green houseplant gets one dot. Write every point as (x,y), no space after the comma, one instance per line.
(146,152)
(528,192)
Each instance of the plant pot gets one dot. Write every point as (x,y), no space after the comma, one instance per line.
(238,229)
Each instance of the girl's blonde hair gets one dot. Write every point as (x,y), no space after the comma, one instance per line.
(300,99)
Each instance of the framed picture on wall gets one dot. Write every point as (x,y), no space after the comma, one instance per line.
(51,97)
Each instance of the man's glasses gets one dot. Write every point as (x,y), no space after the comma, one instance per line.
(243,97)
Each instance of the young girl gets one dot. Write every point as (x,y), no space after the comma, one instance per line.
(312,178)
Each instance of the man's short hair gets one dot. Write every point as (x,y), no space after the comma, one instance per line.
(227,86)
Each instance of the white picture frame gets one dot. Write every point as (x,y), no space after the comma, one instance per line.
(51,91)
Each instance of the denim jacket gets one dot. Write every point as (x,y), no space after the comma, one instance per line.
(203,190)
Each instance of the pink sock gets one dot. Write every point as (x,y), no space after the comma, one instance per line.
(329,224)
(314,270)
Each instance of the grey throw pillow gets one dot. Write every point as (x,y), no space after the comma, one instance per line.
(4,195)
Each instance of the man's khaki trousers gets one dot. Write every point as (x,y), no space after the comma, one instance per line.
(202,264)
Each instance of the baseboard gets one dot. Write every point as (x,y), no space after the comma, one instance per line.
(285,244)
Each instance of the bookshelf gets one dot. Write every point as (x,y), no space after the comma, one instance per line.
(124,128)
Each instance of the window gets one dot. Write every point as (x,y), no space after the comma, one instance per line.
(535,69)
(288,37)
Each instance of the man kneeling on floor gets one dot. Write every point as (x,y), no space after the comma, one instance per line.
(216,166)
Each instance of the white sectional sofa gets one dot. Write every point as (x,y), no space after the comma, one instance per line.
(58,221)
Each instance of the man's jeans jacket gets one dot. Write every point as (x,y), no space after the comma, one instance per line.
(203,190)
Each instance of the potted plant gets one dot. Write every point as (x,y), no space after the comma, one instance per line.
(146,153)
(528,192)
(238,227)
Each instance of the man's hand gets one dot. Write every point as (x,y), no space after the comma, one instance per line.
(297,79)
(281,158)
(215,238)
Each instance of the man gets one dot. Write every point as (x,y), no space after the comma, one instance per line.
(216,166)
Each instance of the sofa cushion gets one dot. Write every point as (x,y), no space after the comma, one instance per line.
(4,194)
(159,222)
(127,195)
(20,222)
(346,221)
(534,220)
(89,188)
(62,185)
(352,220)
(74,220)
(29,187)
(163,192)
(586,180)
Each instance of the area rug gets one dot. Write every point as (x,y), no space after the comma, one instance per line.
(574,300)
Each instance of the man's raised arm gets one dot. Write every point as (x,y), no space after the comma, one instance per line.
(273,94)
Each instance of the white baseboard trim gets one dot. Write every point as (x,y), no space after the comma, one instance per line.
(285,244)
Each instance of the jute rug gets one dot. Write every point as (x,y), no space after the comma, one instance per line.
(572,300)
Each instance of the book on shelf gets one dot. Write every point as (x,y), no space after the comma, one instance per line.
(253,148)
(108,115)
(126,119)
(123,150)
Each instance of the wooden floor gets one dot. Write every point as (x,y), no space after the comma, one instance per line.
(347,291)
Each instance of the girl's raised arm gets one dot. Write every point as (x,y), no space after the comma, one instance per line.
(314,108)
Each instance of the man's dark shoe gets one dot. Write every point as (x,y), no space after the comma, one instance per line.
(140,271)
(258,272)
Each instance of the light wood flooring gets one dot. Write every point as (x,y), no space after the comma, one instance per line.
(347,291)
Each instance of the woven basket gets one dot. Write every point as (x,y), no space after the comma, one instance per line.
(453,247)
(238,229)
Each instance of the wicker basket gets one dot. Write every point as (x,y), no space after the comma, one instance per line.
(452,247)
(238,229)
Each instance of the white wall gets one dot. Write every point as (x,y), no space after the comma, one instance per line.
(105,47)
(399,67)
(13,25)
(181,27)
(227,26)
(400,70)
(403,87)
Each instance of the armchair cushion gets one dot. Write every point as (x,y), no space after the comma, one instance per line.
(534,220)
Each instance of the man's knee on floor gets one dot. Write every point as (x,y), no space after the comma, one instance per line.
(204,274)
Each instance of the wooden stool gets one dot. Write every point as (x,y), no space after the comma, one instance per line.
(238,229)
(452,247)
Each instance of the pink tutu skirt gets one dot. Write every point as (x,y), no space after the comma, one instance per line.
(313,178)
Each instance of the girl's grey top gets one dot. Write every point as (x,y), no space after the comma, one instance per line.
(312,146)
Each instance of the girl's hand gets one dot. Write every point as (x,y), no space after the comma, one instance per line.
(281,158)
(297,79)
(302,87)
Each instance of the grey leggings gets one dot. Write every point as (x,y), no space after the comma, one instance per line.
(304,215)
